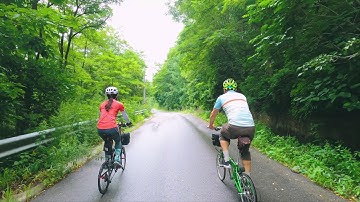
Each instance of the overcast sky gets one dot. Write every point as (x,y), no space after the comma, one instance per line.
(146,27)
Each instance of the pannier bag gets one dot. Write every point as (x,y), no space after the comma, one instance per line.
(125,138)
(215,140)
(243,143)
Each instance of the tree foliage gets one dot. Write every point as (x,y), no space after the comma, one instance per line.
(169,85)
(56,51)
(295,59)
(316,44)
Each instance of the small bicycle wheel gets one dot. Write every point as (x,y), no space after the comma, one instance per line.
(249,191)
(123,158)
(221,170)
(103,178)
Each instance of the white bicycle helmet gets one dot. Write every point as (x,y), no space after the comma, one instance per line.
(111,90)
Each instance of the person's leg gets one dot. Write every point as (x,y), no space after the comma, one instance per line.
(245,154)
(103,134)
(247,165)
(225,148)
(225,143)
(116,137)
(246,158)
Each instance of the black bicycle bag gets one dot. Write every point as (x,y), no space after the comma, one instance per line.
(125,138)
(215,139)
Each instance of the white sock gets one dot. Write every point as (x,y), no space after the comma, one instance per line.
(226,156)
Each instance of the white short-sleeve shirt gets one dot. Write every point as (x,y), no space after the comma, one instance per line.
(236,108)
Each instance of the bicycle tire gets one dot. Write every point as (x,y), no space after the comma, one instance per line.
(249,190)
(103,178)
(221,170)
(123,158)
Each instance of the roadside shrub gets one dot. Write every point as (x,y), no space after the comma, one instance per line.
(333,166)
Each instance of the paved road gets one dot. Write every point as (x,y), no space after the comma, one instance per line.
(171,158)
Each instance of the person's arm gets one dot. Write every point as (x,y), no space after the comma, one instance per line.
(213,115)
(126,117)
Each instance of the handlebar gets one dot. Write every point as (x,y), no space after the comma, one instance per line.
(216,128)
(121,124)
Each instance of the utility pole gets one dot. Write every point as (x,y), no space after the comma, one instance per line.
(144,93)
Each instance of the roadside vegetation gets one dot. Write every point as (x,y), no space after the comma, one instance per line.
(296,61)
(56,59)
(331,165)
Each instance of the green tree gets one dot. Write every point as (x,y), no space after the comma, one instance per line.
(295,60)
(27,61)
(169,85)
(39,70)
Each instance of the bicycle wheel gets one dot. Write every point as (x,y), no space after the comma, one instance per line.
(123,158)
(249,191)
(219,166)
(103,178)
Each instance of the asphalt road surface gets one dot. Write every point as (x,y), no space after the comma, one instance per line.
(171,158)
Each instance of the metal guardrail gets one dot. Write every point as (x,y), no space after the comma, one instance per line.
(140,111)
(23,138)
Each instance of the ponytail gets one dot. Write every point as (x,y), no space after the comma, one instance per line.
(111,97)
(108,105)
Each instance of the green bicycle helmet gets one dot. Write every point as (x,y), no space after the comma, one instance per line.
(230,84)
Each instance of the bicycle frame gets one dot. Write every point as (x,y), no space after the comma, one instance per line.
(234,169)
(235,174)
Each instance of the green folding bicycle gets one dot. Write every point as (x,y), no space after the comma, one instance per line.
(243,183)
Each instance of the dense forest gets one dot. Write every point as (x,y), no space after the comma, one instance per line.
(296,61)
(58,55)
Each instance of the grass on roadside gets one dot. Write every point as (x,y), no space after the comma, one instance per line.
(48,164)
(332,166)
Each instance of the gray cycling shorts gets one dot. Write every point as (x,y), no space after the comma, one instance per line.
(229,131)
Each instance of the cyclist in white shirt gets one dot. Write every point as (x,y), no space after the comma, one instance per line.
(240,121)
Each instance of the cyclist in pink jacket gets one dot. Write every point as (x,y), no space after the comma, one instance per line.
(107,125)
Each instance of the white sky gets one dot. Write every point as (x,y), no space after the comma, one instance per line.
(146,27)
